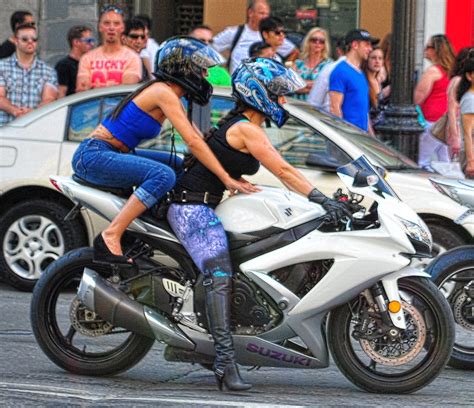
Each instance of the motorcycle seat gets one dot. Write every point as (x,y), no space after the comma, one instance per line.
(121,192)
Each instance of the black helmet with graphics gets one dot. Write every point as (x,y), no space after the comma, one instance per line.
(185,60)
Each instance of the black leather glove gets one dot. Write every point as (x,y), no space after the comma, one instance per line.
(335,209)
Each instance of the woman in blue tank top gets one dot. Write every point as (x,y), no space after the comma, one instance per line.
(240,144)
(108,157)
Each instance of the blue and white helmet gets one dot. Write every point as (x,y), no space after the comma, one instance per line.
(258,82)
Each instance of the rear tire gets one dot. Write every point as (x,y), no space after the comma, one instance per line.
(49,312)
(440,337)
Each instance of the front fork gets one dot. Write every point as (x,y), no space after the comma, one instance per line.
(389,285)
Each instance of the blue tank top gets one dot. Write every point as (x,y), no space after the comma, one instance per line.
(132,125)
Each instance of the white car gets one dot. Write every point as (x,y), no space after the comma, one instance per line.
(33,231)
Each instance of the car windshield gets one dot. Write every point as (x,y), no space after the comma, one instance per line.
(386,156)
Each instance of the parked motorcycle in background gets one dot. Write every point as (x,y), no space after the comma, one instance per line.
(453,273)
(303,285)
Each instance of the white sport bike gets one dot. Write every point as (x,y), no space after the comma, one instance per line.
(302,286)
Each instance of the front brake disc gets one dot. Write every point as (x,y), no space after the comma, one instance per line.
(404,348)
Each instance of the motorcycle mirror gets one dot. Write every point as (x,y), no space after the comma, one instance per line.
(364,178)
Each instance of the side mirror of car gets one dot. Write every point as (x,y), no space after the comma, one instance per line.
(323,162)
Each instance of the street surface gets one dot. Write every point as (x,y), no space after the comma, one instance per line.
(28,378)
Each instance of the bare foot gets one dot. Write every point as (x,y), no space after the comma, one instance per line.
(112,242)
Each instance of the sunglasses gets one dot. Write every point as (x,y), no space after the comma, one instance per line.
(87,40)
(110,7)
(26,38)
(136,36)
(429,47)
(205,41)
(279,32)
(317,40)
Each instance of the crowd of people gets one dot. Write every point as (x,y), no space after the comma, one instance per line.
(355,86)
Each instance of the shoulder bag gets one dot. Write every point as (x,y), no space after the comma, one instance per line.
(439,129)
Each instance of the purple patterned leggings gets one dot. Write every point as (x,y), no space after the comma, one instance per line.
(200,231)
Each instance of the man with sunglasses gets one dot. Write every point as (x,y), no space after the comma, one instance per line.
(112,63)
(148,54)
(80,41)
(348,86)
(19,17)
(26,82)
(273,33)
(135,38)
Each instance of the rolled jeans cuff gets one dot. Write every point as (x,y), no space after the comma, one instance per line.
(148,200)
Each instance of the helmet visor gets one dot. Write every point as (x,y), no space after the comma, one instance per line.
(206,57)
(278,79)
(286,83)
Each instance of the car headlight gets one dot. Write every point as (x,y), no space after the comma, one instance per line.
(417,232)
(447,190)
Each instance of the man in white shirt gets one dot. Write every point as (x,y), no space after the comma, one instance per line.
(249,34)
(319,94)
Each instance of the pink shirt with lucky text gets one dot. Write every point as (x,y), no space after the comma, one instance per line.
(102,70)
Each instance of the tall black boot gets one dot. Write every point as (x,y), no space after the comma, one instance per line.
(218,313)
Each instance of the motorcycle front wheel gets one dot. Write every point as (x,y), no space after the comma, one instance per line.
(387,361)
(73,337)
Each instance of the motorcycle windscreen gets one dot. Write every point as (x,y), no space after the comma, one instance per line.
(361,170)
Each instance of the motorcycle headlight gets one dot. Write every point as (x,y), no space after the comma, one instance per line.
(417,232)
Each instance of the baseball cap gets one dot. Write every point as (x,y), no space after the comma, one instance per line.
(360,35)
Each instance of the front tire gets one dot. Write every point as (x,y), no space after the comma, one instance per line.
(409,371)
(33,234)
(97,349)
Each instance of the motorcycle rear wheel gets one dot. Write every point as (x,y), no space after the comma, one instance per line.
(100,349)
(409,371)
(454,276)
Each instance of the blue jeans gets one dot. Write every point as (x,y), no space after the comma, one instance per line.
(98,162)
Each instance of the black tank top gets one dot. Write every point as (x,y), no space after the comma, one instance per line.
(199,179)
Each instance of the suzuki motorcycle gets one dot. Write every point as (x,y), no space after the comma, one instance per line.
(302,286)
(453,273)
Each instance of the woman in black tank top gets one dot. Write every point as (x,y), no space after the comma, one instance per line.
(240,144)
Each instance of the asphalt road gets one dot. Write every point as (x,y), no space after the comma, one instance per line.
(29,378)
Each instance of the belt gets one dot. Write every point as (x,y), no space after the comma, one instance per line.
(113,141)
(193,197)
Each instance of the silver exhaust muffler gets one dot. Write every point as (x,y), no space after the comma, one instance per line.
(120,310)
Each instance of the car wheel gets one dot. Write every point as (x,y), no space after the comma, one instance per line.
(444,238)
(33,234)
